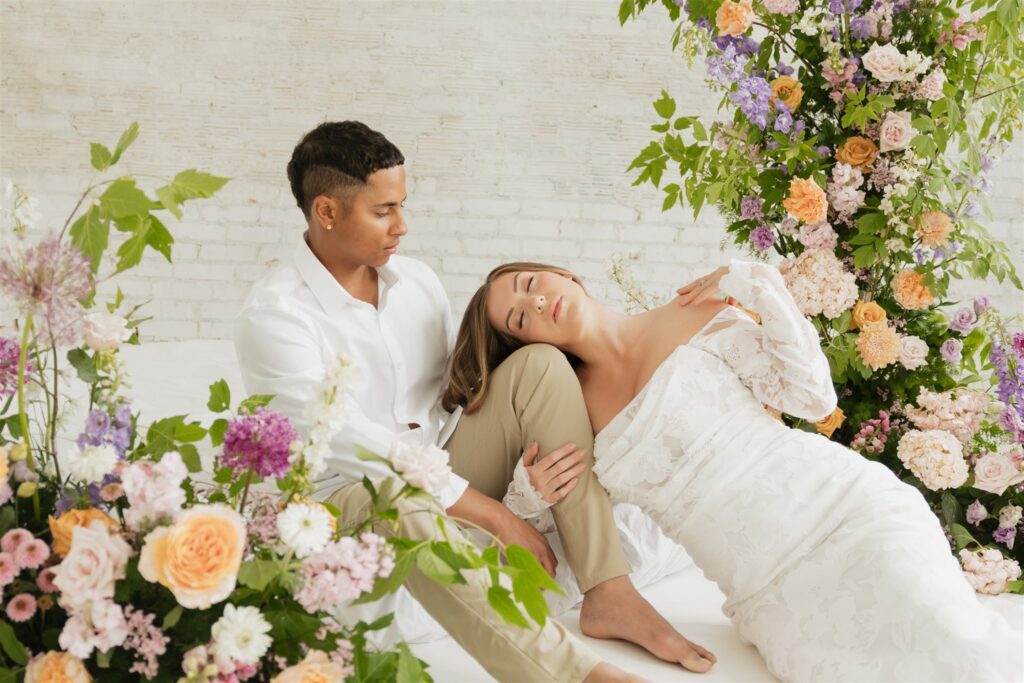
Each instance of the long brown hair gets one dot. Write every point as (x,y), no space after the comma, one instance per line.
(479,347)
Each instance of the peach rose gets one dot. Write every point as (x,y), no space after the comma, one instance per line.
(859,152)
(788,90)
(734,18)
(933,227)
(867,312)
(806,201)
(831,423)
(62,527)
(56,667)
(315,668)
(910,291)
(198,557)
(995,472)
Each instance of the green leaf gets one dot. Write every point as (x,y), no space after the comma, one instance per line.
(410,669)
(84,365)
(665,106)
(950,509)
(962,537)
(220,396)
(159,237)
(12,647)
(190,184)
(253,402)
(435,568)
(190,457)
(499,599)
(217,430)
(103,658)
(100,156)
(257,574)
(130,252)
(524,560)
(171,618)
(625,11)
(368,456)
(127,138)
(90,233)
(123,199)
(190,432)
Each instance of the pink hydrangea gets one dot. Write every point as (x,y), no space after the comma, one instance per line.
(818,236)
(958,411)
(819,283)
(343,571)
(21,608)
(987,570)
(154,491)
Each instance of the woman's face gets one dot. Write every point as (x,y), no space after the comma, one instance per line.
(535,306)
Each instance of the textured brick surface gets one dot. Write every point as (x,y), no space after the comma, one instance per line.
(518,120)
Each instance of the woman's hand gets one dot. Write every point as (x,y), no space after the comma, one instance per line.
(554,477)
(705,289)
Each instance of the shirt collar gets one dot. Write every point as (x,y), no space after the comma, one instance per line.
(328,292)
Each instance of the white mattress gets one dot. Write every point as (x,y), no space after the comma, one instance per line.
(173,378)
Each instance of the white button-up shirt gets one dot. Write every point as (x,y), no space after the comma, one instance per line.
(298,318)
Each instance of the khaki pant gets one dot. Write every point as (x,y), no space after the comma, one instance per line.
(534,396)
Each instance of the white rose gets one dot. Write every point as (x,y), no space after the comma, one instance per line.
(425,467)
(913,352)
(97,559)
(895,132)
(92,463)
(1010,516)
(885,63)
(105,331)
(994,472)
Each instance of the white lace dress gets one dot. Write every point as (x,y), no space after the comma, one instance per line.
(832,567)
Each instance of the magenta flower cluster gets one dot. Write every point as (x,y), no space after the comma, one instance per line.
(259,442)
(10,355)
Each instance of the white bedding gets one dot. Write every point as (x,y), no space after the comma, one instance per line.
(173,378)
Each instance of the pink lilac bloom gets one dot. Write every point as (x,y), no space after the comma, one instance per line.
(951,350)
(842,81)
(21,608)
(259,442)
(963,320)
(49,281)
(1005,535)
(9,569)
(762,237)
(873,434)
(148,642)
(32,555)
(15,538)
(976,512)
(10,356)
(750,208)
(844,194)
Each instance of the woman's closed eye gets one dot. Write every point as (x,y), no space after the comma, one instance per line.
(522,314)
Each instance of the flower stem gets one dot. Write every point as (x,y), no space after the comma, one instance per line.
(22,415)
(245,491)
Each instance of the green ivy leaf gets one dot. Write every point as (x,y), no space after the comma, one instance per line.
(90,233)
(962,537)
(100,156)
(217,430)
(190,457)
(410,669)
(190,184)
(130,252)
(436,569)
(220,396)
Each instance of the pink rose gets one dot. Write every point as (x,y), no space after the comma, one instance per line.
(885,62)
(97,559)
(994,472)
(105,331)
(895,132)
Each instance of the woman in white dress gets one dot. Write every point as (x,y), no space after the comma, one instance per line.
(832,567)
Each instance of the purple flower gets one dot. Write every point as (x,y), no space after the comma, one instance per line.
(980,304)
(750,207)
(10,355)
(752,96)
(976,512)
(823,150)
(919,256)
(951,350)
(49,281)
(1005,535)
(798,127)
(101,431)
(727,66)
(1009,384)
(972,209)
(783,119)
(744,45)
(963,320)
(259,442)
(1018,343)
(784,69)
(762,237)
(1010,420)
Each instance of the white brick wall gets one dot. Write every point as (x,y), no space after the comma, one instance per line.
(518,120)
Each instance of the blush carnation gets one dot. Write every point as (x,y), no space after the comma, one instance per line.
(21,608)
(910,291)
(806,201)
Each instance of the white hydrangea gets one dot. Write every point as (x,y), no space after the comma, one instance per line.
(241,634)
(935,457)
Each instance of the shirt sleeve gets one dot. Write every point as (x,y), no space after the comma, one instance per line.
(280,353)
(780,360)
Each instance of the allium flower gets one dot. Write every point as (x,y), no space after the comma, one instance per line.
(305,528)
(750,208)
(49,281)
(951,350)
(241,634)
(963,321)
(935,457)
(878,345)
(259,442)
(21,608)
(91,464)
(752,96)
(10,354)
(987,571)
(910,291)
(819,283)
(762,237)
(976,513)
(425,466)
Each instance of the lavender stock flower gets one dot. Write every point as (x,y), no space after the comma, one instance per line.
(976,512)
(100,430)
(753,97)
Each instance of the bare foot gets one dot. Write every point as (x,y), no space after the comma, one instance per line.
(606,673)
(614,609)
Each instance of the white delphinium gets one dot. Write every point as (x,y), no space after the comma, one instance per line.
(326,415)
(91,463)
(241,634)
(305,528)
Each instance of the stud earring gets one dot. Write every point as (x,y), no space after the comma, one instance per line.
(328,226)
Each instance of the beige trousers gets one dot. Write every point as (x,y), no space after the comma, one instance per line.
(535,396)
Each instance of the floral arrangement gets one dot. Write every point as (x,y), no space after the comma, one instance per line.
(120,557)
(856,144)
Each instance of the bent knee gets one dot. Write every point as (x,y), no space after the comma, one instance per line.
(543,356)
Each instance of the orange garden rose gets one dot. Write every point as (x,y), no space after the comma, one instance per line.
(56,667)
(878,345)
(734,18)
(910,291)
(787,89)
(933,227)
(198,557)
(831,423)
(806,201)
(62,527)
(859,152)
(866,313)
(315,668)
